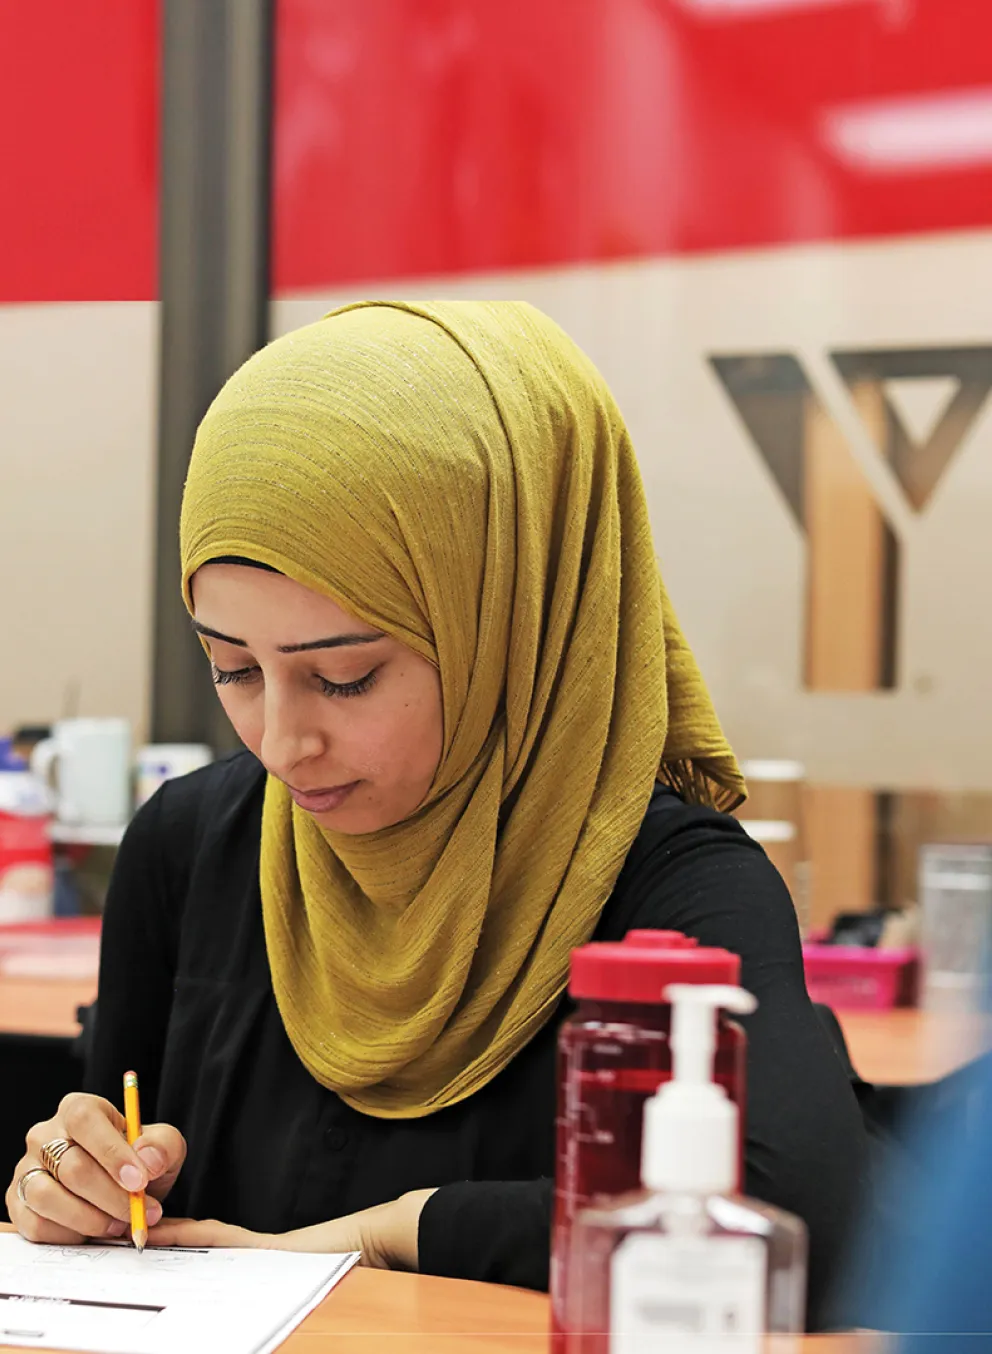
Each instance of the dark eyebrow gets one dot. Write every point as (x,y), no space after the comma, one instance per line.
(334,642)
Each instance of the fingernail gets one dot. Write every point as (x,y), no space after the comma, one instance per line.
(116,1228)
(153,1159)
(153,1212)
(131,1178)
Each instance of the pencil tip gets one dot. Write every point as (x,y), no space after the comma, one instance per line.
(140,1239)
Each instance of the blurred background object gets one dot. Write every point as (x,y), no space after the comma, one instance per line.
(921,1268)
(956,907)
(156,763)
(26,738)
(91,761)
(773,815)
(27,874)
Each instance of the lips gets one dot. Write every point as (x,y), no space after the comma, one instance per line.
(322,801)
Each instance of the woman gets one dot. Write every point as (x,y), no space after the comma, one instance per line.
(416,548)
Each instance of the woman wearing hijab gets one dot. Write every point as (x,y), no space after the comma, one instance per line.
(416,548)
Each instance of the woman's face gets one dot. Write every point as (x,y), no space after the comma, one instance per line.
(347,717)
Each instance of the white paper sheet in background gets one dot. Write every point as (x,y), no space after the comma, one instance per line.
(112,1300)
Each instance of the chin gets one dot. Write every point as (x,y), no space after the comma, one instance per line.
(349,824)
(352,819)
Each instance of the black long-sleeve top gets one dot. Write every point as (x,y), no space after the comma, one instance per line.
(185,997)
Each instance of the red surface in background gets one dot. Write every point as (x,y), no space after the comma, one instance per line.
(78,149)
(437,136)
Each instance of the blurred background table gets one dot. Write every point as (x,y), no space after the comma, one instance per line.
(43,1006)
(909,1047)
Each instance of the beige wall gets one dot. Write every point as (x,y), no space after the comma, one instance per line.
(77,413)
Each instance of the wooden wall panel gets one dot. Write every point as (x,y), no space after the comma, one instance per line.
(840,827)
(845,535)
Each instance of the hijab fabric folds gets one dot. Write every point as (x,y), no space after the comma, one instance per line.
(458,475)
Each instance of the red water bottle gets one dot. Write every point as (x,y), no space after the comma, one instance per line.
(613,1053)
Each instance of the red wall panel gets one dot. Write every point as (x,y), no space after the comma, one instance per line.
(78,149)
(422,136)
(434,136)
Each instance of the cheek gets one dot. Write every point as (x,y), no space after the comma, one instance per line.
(246,716)
(403,741)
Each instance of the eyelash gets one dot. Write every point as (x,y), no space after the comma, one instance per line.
(242,676)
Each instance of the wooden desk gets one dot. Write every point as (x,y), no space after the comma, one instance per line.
(421,1314)
(425,1315)
(907,1047)
(43,1005)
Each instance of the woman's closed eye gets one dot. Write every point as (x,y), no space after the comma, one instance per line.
(243,676)
(222,676)
(355,688)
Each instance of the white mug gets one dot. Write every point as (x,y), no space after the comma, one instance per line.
(158,762)
(93,770)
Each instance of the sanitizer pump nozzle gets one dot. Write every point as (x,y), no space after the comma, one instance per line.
(690,1125)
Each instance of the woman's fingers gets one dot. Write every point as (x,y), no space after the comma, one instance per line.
(162,1151)
(83,1202)
(50,1203)
(83,1179)
(96,1126)
(32,1194)
(187,1232)
(33,1227)
(30,1224)
(95,1174)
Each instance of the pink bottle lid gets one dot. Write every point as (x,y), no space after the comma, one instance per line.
(604,971)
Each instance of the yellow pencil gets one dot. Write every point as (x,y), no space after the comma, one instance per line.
(132,1113)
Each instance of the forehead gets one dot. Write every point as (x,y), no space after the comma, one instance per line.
(244,602)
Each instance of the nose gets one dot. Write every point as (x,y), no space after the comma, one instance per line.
(289,736)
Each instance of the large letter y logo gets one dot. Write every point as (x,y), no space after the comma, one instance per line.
(912,409)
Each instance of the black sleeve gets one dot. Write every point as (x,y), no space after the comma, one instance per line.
(137,955)
(494,1231)
(697,871)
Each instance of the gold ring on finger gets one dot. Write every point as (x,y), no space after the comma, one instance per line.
(53,1152)
(35,1170)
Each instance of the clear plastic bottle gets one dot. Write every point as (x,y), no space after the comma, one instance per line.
(613,1054)
(687,1264)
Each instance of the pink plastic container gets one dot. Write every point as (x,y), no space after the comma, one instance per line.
(851,977)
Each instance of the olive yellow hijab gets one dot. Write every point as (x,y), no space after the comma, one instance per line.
(459,476)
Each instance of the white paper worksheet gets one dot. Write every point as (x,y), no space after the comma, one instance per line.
(167,1301)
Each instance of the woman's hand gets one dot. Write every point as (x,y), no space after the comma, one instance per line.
(89,1199)
(386,1235)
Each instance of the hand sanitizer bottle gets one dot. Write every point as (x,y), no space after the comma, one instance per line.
(686,1265)
(614,1051)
